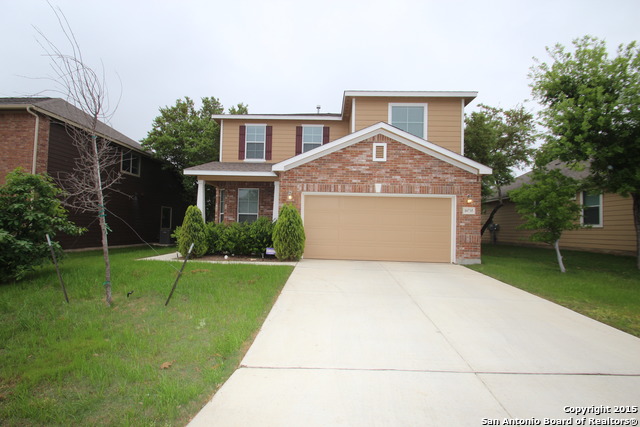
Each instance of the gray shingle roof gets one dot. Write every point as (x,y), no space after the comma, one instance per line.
(526,178)
(233,167)
(61,109)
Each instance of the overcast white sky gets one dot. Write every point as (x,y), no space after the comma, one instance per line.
(287,56)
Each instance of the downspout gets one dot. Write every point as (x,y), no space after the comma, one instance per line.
(35,140)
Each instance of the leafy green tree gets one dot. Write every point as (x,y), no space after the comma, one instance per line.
(548,205)
(592,113)
(193,230)
(501,139)
(29,210)
(185,136)
(288,234)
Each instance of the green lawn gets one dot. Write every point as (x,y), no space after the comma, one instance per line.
(603,287)
(87,364)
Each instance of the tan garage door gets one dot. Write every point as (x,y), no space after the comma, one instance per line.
(378,228)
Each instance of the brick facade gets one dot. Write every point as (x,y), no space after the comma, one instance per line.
(17,129)
(406,171)
(230,207)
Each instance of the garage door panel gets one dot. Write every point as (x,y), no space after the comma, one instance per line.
(378,228)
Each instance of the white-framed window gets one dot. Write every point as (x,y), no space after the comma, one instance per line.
(130,163)
(411,118)
(591,208)
(166,213)
(248,204)
(379,152)
(255,141)
(221,205)
(311,137)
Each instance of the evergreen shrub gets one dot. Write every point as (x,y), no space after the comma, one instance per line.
(288,234)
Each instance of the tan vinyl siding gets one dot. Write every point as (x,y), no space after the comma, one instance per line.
(284,136)
(617,235)
(444,116)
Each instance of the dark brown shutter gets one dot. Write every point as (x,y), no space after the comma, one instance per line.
(268,143)
(325,135)
(241,142)
(298,140)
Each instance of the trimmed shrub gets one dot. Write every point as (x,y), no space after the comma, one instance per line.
(192,231)
(288,234)
(29,209)
(240,238)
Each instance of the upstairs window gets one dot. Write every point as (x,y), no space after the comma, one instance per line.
(592,209)
(410,118)
(130,163)
(255,142)
(311,137)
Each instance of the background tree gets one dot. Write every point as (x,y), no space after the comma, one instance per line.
(548,205)
(94,170)
(185,136)
(593,113)
(29,210)
(501,139)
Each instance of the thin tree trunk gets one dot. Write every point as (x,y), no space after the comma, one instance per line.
(490,219)
(636,221)
(102,215)
(556,245)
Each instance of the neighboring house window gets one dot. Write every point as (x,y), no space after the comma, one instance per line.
(248,202)
(130,163)
(592,209)
(411,118)
(165,217)
(311,137)
(222,206)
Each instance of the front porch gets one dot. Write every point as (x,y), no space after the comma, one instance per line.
(244,191)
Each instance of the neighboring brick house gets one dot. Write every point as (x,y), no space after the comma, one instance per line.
(608,218)
(33,135)
(386,179)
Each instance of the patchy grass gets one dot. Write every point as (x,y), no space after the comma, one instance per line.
(603,287)
(137,362)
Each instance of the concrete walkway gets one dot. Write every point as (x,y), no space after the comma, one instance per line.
(407,344)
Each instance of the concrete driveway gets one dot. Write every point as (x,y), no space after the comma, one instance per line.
(353,343)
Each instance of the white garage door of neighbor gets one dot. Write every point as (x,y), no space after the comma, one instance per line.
(378,228)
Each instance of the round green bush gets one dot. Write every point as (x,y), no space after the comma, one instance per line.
(193,231)
(288,234)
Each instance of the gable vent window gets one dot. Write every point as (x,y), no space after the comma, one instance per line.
(379,152)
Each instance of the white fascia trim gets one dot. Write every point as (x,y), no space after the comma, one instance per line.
(391,132)
(462,127)
(275,117)
(227,173)
(221,139)
(353,115)
(419,94)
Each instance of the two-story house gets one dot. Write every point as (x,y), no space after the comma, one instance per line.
(386,179)
(144,206)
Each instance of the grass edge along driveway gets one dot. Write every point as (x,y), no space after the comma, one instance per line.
(138,362)
(601,286)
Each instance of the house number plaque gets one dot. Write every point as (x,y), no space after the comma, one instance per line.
(468,211)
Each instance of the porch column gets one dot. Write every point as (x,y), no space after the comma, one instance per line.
(200,199)
(276,199)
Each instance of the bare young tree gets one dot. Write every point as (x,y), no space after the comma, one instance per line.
(94,170)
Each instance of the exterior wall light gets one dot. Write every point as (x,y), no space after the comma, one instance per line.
(289,196)
(469,198)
